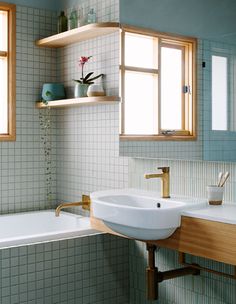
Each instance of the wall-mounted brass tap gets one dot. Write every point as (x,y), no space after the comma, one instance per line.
(165,177)
(85,203)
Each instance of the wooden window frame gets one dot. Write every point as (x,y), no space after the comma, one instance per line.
(10,54)
(189,45)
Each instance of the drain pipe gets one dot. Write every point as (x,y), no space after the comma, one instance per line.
(151,274)
(154,277)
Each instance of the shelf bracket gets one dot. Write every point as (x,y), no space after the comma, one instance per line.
(154,277)
(182,260)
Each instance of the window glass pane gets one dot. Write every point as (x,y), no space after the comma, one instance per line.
(140,103)
(140,51)
(3,31)
(219,93)
(3,97)
(171,88)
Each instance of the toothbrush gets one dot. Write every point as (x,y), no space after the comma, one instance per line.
(220,179)
(226,176)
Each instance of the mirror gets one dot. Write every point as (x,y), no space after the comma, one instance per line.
(213,22)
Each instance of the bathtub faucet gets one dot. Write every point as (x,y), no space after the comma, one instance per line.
(85,203)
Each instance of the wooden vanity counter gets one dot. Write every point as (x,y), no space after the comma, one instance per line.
(200,237)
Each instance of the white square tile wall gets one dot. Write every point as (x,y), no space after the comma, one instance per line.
(22,163)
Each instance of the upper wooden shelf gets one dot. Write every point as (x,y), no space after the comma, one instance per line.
(82,33)
(79,102)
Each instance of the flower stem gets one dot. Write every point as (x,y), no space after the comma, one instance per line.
(82,72)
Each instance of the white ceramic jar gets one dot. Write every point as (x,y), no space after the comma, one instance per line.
(95,90)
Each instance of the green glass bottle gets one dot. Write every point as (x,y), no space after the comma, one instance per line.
(62,23)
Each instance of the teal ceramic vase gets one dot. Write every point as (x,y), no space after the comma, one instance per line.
(53,91)
(81,90)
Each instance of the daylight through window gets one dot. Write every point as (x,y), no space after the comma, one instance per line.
(157,85)
(7,72)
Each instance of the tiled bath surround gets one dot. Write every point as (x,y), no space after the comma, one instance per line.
(84,270)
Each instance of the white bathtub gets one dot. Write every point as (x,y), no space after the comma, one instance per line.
(41,226)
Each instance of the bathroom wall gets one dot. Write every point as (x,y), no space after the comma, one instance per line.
(88,137)
(23,185)
(88,270)
(88,160)
(187,177)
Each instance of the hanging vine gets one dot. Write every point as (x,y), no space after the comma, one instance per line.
(45,130)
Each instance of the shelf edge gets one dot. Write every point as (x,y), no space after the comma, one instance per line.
(79,102)
(57,39)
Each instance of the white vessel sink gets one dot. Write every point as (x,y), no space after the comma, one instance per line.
(140,214)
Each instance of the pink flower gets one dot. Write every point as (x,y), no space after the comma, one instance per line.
(84,59)
(89,78)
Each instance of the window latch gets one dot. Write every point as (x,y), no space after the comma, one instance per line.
(186,89)
(168,132)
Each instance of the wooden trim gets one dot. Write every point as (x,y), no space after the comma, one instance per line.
(7,6)
(11,56)
(194,87)
(140,70)
(79,102)
(79,34)
(203,238)
(3,54)
(208,239)
(122,80)
(151,32)
(157,137)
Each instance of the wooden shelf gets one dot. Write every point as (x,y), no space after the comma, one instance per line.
(79,102)
(79,34)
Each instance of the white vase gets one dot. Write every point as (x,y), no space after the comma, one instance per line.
(81,90)
(95,90)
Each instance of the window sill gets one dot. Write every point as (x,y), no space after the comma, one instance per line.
(158,137)
(7,137)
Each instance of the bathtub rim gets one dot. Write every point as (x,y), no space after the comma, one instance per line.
(35,239)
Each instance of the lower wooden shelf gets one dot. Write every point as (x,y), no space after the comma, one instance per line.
(79,102)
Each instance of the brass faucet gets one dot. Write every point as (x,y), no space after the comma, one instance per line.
(86,202)
(165,177)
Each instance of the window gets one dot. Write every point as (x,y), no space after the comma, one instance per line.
(157,86)
(7,71)
(219,93)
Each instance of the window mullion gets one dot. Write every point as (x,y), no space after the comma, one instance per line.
(122,79)
(141,70)
(184,82)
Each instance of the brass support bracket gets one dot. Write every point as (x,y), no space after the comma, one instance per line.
(182,260)
(154,277)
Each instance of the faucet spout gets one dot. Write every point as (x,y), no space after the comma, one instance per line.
(152,175)
(85,203)
(165,178)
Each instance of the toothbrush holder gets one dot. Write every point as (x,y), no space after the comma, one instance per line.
(215,195)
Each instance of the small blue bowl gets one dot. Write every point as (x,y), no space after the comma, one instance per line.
(53,91)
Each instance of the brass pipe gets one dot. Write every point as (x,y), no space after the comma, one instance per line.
(151,274)
(154,277)
(172,274)
(85,203)
(183,262)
